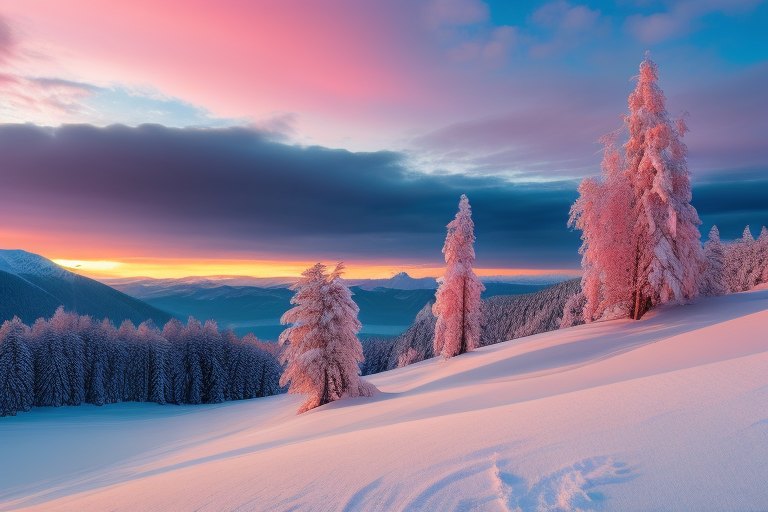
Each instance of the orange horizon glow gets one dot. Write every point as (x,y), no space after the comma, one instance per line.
(170,268)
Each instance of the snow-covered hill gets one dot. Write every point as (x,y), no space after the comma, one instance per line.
(668,413)
(32,287)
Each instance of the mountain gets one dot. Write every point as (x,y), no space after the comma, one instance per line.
(387,306)
(32,287)
(666,413)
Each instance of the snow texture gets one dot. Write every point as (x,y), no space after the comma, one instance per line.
(668,413)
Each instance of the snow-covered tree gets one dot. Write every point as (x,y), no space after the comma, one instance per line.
(117,357)
(323,352)
(175,371)
(644,204)
(457,301)
(17,377)
(52,384)
(742,266)
(191,366)
(213,364)
(713,277)
(66,327)
(762,256)
(602,213)
(96,355)
(157,349)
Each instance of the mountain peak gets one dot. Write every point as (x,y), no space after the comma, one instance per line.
(19,262)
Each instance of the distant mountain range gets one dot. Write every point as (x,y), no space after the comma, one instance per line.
(244,304)
(32,287)
(146,287)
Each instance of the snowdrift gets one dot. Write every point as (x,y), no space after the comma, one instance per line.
(669,413)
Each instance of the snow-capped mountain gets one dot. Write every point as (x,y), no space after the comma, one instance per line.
(32,286)
(18,262)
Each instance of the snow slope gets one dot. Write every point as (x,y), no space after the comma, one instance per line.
(669,413)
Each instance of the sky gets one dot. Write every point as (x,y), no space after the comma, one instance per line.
(256,137)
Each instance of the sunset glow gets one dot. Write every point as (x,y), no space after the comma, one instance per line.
(176,268)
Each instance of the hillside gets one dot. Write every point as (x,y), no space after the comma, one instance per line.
(32,287)
(668,413)
(505,317)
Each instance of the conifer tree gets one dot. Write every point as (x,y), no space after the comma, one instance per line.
(175,374)
(17,378)
(713,278)
(157,349)
(95,340)
(762,258)
(52,385)
(191,366)
(213,364)
(323,352)
(457,301)
(660,255)
(117,356)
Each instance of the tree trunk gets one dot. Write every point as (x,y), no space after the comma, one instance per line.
(463,347)
(636,285)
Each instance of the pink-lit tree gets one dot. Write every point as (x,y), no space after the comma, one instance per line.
(713,278)
(323,352)
(457,301)
(641,243)
(602,214)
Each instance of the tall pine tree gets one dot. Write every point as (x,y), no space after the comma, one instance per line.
(645,200)
(17,378)
(457,301)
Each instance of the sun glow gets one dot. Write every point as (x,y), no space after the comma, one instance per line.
(94,266)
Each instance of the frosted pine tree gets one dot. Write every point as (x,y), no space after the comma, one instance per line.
(212,361)
(713,278)
(762,260)
(323,352)
(66,327)
(602,214)
(174,377)
(666,255)
(17,378)
(95,339)
(741,263)
(52,385)
(191,364)
(659,256)
(117,357)
(157,349)
(457,301)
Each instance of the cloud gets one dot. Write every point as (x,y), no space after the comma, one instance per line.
(6,39)
(681,19)
(233,191)
(439,13)
(563,16)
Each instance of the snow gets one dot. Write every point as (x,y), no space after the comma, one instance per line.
(667,413)
(20,263)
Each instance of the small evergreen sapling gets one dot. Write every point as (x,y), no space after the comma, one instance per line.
(323,352)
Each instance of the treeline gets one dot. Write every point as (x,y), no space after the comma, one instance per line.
(504,317)
(72,359)
(735,266)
